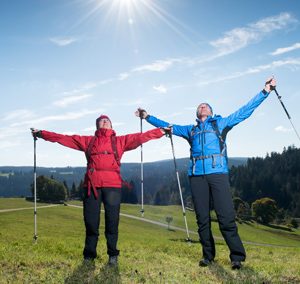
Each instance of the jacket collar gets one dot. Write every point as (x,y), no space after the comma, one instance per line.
(104,132)
(209,118)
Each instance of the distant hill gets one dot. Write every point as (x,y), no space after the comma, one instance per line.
(15,181)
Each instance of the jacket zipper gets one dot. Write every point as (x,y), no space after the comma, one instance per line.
(202,146)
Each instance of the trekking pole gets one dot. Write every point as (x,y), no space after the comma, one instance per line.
(34,187)
(142,172)
(179,186)
(282,104)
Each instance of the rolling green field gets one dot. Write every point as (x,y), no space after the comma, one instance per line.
(149,253)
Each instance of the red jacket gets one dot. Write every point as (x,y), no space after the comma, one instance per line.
(102,170)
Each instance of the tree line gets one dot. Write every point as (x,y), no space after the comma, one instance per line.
(276,176)
(52,190)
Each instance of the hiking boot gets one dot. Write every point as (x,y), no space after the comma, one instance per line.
(88,262)
(88,259)
(236,265)
(205,262)
(113,260)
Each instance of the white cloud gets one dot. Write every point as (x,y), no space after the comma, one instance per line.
(137,102)
(252,70)
(160,89)
(241,37)
(190,108)
(62,117)
(8,144)
(63,41)
(93,128)
(117,124)
(123,76)
(7,132)
(282,50)
(68,133)
(19,114)
(280,128)
(174,114)
(71,100)
(157,66)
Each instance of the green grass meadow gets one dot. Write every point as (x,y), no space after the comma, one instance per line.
(149,253)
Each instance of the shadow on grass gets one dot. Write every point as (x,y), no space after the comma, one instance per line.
(278,227)
(185,241)
(108,275)
(84,273)
(244,275)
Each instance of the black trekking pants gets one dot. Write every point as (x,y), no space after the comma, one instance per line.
(111,198)
(215,187)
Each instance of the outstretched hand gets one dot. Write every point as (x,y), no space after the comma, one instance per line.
(167,130)
(36,133)
(270,84)
(141,113)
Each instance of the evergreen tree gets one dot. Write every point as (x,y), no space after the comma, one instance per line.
(49,190)
(67,188)
(80,190)
(73,192)
(276,176)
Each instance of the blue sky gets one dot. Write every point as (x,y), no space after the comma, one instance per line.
(63,63)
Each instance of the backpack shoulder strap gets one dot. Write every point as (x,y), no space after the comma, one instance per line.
(221,136)
(193,130)
(114,148)
(89,149)
(215,127)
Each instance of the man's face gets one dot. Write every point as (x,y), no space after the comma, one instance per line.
(105,123)
(203,110)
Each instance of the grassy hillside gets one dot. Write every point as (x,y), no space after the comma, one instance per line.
(149,253)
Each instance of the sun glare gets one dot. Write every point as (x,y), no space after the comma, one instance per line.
(133,13)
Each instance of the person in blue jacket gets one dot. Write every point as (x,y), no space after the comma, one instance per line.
(208,172)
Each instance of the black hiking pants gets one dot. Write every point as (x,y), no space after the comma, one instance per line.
(111,198)
(215,188)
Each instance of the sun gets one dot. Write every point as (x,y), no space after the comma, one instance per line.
(129,16)
(119,11)
(126,10)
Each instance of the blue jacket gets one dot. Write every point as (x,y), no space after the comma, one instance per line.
(207,155)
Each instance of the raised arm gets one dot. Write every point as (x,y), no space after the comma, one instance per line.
(72,141)
(132,141)
(178,130)
(245,111)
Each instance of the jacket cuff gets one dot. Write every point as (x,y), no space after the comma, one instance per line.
(159,132)
(265,92)
(39,134)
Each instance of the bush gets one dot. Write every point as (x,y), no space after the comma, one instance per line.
(264,210)
(294,223)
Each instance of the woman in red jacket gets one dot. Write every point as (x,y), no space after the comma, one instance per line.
(102,180)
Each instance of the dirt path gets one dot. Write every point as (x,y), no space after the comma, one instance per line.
(183,230)
(27,208)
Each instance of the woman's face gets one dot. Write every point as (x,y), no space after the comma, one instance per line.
(105,123)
